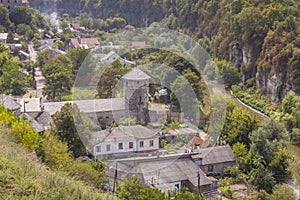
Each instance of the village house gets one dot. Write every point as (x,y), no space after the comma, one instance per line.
(3,38)
(125,141)
(84,43)
(11,4)
(112,56)
(43,118)
(35,124)
(75,27)
(214,160)
(196,143)
(10,104)
(167,173)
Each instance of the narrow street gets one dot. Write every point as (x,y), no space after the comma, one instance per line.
(40,79)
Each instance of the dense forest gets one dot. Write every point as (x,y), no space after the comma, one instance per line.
(260,39)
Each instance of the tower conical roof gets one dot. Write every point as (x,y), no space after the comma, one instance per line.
(136,74)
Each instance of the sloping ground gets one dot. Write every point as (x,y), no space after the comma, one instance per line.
(21,177)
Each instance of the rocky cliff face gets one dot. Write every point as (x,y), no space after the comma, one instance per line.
(278,68)
(241,57)
(274,84)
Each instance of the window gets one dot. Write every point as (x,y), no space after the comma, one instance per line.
(177,186)
(107,147)
(120,145)
(151,143)
(210,168)
(130,145)
(98,148)
(141,143)
(140,99)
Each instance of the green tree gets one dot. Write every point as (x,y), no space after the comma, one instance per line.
(282,191)
(77,57)
(150,193)
(261,177)
(131,188)
(58,75)
(88,172)
(289,102)
(239,124)
(55,153)
(269,139)
(240,150)
(23,132)
(184,194)
(280,164)
(4,18)
(12,80)
(228,73)
(109,79)
(65,128)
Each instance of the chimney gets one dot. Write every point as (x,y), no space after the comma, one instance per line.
(42,107)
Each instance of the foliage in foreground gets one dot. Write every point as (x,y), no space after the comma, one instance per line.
(21,177)
(134,189)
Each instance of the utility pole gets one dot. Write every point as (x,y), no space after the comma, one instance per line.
(115,178)
(198,175)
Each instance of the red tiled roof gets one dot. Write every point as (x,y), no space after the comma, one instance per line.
(75,25)
(196,141)
(84,42)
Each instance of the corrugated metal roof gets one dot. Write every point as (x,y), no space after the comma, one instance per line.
(159,172)
(212,155)
(124,133)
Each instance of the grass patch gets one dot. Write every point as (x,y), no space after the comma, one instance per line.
(80,94)
(21,177)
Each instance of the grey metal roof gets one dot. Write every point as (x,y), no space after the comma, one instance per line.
(136,74)
(89,106)
(9,103)
(124,133)
(43,117)
(86,106)
(212,155)
(159,172)
(36,125)
(172,171)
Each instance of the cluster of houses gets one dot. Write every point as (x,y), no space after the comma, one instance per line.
(174,171)
(132,150)
(135,150)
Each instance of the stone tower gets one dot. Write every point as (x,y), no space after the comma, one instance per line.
(136,90)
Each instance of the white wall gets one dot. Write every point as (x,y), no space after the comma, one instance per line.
(114,146)
(147,144)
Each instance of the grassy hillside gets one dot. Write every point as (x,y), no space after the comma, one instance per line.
(21,177)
